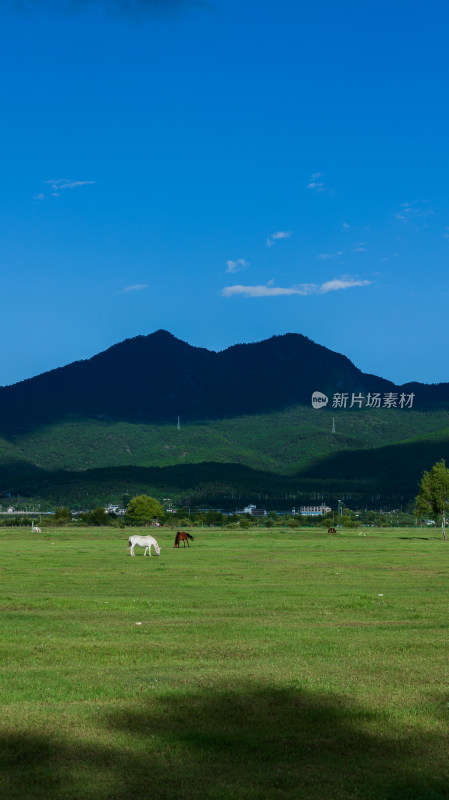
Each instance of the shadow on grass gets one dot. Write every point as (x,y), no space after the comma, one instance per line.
(247,743)
(419,538)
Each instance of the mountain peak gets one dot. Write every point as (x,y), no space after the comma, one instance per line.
(155,378)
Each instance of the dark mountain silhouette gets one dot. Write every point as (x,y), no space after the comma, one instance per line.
(157,377)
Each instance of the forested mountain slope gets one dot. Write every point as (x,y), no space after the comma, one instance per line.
(247,410)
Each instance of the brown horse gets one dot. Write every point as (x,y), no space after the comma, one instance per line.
(331,530)
(182,536)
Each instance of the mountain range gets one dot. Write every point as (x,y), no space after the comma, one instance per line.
(245,415)
(157,378)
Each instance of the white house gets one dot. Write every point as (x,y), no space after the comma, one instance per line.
(314,511)
(251,509)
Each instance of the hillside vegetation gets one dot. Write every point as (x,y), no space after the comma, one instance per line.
(282,442)
(96,429)
(247,460)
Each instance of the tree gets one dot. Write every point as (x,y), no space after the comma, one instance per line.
(433,496)
(62,515)
(214,518)
(100,517)
(143,509)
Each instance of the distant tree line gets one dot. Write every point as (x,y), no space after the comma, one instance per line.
(432,501)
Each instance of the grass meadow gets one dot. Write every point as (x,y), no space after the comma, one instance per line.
(286,664)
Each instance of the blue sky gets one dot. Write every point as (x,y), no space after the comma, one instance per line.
(227,171)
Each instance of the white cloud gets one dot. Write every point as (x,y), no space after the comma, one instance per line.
(138,287)
(302,289)
(345,226)
(412,211)
(325,256)
(278,235)
(359,248)
(316,184)
(236,266)
(446,232)
(281,235)
(258,291)
(341,283)
(60,184)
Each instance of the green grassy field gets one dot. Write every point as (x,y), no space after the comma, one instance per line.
(251,665)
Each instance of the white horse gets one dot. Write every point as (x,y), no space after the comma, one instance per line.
(143,541)
(35,529)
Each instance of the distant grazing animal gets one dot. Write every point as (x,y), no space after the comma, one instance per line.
(35,529)
(143,541)
(331,530)
(182,536)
